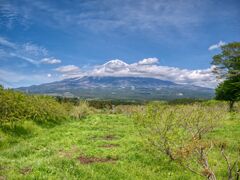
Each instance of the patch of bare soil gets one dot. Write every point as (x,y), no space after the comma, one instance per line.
(109,146)
(109,137)
(26,170)
(90,160)
(69,153)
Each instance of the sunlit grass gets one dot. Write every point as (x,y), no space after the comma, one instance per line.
(33,151)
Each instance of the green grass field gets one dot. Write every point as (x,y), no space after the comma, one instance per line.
(101,146)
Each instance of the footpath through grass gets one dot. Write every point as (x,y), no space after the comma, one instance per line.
(98,147)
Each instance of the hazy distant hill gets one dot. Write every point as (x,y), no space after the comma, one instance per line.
(135,88)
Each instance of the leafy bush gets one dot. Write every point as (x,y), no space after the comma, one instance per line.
(17,106)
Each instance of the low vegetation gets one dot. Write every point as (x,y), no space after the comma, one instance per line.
(17,106)
(43,137)
(181,132)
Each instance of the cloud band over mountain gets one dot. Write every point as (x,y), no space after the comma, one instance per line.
(144,68)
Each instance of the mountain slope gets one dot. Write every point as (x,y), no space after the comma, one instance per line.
(135,88)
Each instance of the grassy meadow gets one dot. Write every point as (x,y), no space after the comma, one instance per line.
(41,138)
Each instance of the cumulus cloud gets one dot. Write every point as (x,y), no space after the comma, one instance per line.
(216,46)
(67,69)
(148,61)
(199,77)
(50,61)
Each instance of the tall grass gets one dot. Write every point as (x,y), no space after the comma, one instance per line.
(81,110)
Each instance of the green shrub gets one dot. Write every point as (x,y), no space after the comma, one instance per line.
(17,106)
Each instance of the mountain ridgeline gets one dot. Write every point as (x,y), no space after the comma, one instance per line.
(120,88)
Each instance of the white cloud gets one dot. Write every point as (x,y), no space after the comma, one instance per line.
(6,43)
(28,52)
(132,15)
(67,69)
(14,79)
(30,60)
(118,68)
(148,61)
(199,77)
(12,15)
(216,46)
(34,49)
(50,61)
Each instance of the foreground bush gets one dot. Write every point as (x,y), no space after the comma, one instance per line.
(180,132)
(17,106)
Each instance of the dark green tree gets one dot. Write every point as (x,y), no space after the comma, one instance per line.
(227,68)
(227,63)
(229,90)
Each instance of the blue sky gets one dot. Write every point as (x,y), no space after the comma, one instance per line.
(44,41)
